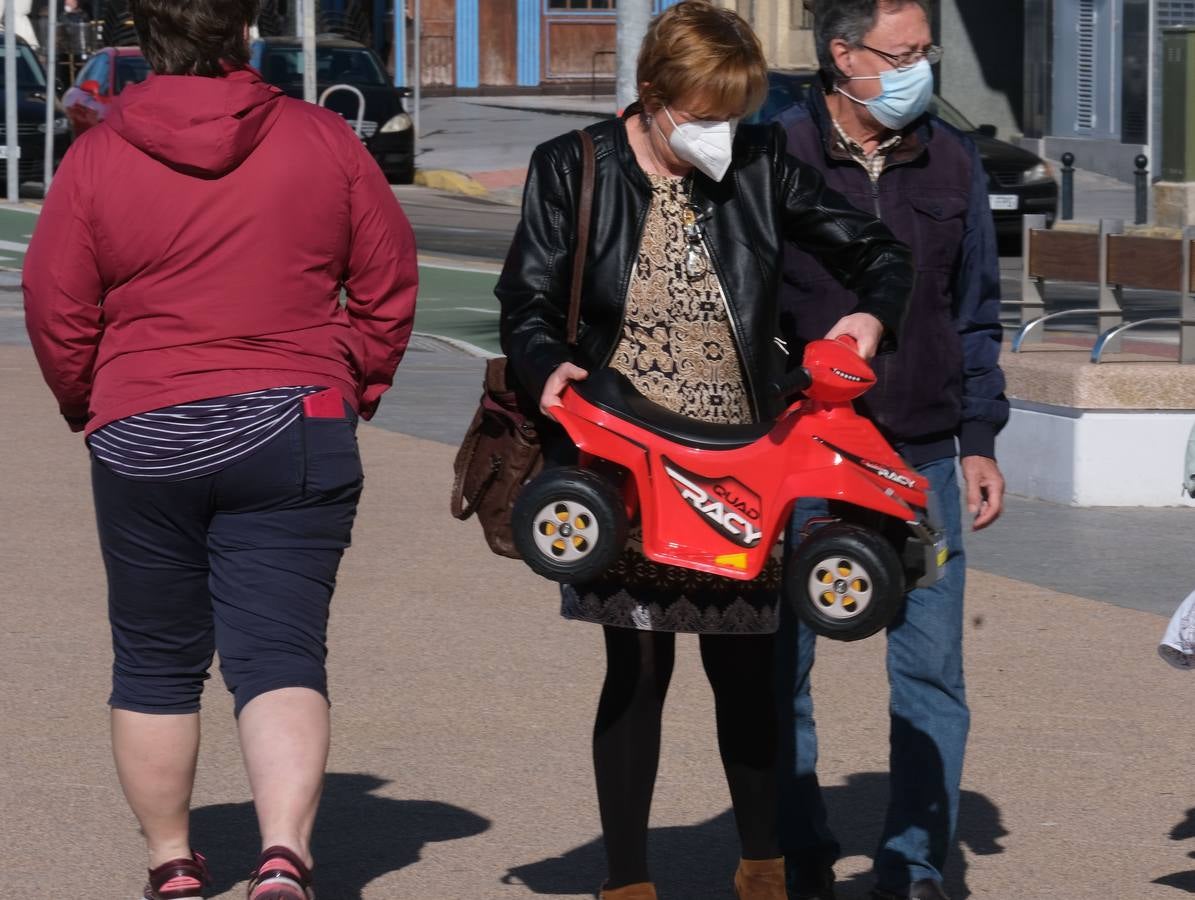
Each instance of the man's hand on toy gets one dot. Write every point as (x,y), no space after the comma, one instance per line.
(985,490)
(865,328)
(557,382)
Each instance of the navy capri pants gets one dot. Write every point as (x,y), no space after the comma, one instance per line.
(242,561)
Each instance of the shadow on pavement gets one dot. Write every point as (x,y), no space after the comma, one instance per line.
(698,861)
(693,861)
(862,802)
(1183,881)
(359,836)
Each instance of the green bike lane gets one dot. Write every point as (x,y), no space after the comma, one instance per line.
(16,228)
(457,302)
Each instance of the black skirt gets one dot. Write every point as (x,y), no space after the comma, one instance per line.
(647,596)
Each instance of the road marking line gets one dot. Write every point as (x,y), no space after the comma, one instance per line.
(13,245)
(477,309)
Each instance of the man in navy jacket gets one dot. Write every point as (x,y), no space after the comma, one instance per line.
(939,396)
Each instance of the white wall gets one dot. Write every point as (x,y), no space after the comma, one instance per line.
(1093,458)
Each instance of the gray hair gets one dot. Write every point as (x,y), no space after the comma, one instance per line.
(850,21)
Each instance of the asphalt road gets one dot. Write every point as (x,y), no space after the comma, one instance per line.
(460,226)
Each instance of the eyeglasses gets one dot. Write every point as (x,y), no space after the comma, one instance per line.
(931,54)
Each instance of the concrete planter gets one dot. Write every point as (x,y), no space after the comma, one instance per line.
(1088,435)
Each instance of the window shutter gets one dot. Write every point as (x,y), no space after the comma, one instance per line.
(1086,63)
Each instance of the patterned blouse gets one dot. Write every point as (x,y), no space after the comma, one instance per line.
(677,347)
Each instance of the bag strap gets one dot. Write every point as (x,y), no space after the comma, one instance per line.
(461,506)
(584,217)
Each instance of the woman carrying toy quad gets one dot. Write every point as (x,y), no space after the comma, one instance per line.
(690,212)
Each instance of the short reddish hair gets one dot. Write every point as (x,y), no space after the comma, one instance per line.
(696,49)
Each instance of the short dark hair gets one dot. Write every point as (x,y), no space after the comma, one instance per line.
(849,20)
(194,37)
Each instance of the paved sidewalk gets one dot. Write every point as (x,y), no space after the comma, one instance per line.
(462,710)
(490,139)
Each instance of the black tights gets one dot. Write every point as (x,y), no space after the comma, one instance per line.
(626,739)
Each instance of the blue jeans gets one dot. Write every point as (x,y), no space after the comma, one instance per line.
(929,720)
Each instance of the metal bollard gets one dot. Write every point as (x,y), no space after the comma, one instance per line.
(1068,187)
(1142,165)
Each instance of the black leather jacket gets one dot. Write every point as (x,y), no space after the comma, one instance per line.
(766,198)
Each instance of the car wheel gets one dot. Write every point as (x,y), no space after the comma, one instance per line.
(845,582)
(569,524)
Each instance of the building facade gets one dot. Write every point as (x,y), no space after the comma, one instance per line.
(1093,78)
(494,45)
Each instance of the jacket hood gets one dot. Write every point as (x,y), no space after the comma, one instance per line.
(200,126)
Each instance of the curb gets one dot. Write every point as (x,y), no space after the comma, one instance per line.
(452,181)
(562,110)
(457,344)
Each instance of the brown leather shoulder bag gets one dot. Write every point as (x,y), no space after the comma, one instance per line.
(501,451)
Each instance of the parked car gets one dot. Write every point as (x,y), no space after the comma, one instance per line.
(385,127)
(100,82)
(1019,182)
(33,94)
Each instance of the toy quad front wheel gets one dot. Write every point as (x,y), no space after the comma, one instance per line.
(845,582)
(569,524)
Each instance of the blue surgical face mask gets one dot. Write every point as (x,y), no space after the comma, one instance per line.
(905,95)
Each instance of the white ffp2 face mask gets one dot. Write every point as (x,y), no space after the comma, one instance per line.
(707,144)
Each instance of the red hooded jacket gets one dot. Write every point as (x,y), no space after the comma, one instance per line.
(196,245)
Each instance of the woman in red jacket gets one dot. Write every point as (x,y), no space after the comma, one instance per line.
(183,296)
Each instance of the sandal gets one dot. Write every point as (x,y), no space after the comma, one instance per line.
(179,879)
(280,875)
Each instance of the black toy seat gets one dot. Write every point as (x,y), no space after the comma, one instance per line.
(612,391)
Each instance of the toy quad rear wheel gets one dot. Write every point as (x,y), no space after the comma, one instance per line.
(569,524)
(845,582)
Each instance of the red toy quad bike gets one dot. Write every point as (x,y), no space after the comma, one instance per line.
(716,498)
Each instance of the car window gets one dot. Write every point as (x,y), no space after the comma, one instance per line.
(99,70)
(130,70)
(29,70)
(783,91)
(335,65)
(85,74)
